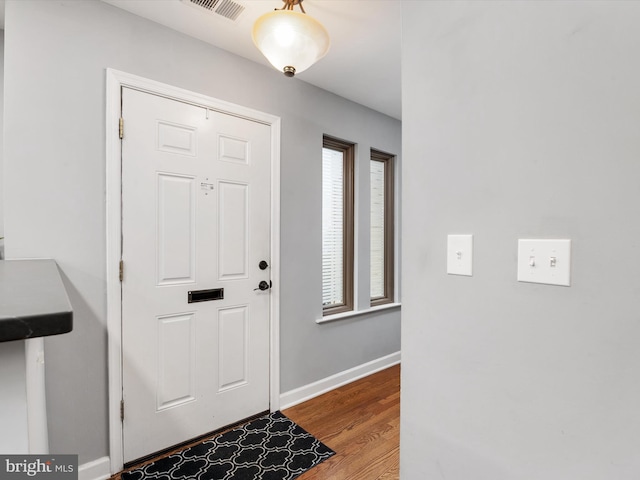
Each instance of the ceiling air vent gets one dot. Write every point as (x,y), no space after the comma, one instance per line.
(226,8)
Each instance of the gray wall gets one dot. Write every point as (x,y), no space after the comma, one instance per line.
(521,120)
(1,141)
(56,55)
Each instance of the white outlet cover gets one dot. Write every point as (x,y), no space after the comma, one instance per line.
(545,261)
(460,255)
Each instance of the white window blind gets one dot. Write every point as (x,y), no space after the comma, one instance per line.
(377,247)
(332,227)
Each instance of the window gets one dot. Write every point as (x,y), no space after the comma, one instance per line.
(337,226)
(382,228)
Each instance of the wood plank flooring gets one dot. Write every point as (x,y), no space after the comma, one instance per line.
(361,423)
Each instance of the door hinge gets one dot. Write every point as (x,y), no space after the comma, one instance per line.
(121,128)
(121,270)
(122,410)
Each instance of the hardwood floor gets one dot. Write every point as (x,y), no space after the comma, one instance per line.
(361,423)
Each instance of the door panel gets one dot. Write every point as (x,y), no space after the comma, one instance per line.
(234,216)
(176,360)
(176,238)
(176,138)
(235,150)
(196,207)
(232,347)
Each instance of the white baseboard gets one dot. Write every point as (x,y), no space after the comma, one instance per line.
(307,392)
(99,469)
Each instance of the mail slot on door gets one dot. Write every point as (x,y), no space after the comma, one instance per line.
(205,295)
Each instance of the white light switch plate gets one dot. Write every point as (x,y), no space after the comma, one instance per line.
(545,261)
(460,255)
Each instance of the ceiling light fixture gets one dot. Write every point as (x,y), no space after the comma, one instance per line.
(291,41)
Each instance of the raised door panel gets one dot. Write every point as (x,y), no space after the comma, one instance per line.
(233,330)
(234,150)
(179,139)
(176,229)
(233,243)
(176,360)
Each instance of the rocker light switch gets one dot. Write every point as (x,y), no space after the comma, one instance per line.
(545,261)
(460,255)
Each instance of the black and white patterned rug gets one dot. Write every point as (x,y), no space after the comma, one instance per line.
(268,448)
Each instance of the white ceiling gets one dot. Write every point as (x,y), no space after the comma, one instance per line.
(362,65)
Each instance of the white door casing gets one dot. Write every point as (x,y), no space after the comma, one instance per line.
(188,225)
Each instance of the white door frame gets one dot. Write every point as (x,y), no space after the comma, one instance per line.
(115,81)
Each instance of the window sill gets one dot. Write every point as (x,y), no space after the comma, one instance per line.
(340,316)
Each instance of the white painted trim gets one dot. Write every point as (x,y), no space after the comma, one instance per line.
(357,313)
(274,368)
(307,392)
(114,292)
(356,224)
(95,470)
(397,220)
(36,398)
(115,81)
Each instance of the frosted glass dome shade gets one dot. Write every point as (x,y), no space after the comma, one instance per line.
(290,40)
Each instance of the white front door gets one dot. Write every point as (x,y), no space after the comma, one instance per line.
(195,228)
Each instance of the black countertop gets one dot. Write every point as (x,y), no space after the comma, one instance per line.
(33,300)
